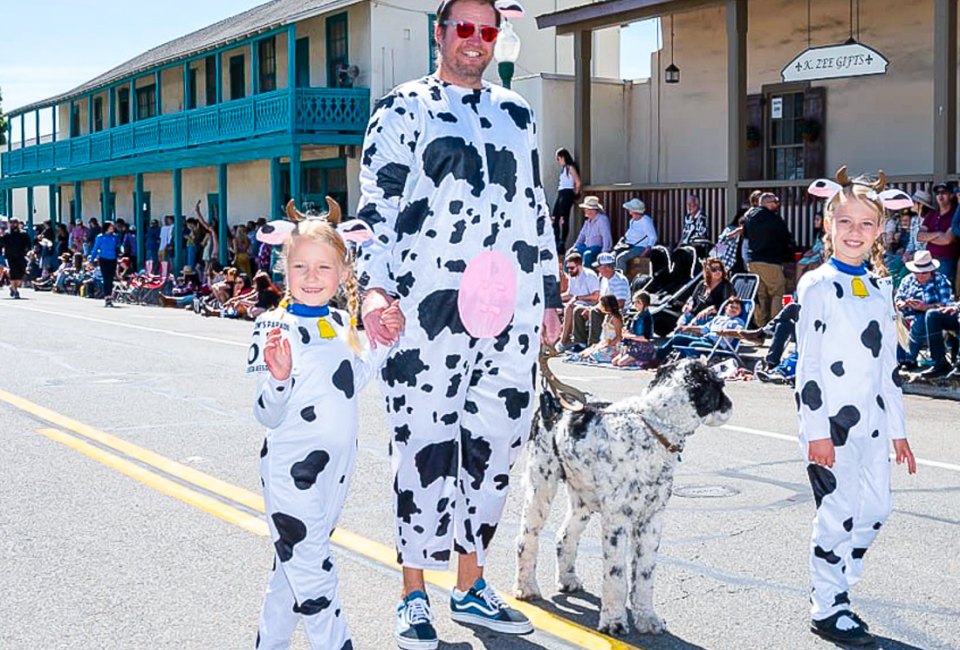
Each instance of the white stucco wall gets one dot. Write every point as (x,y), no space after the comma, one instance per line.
(872,122)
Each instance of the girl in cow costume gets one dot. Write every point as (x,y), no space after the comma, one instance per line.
(310,365)
(848,396)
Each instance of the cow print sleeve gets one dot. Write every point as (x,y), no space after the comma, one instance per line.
(548,260)
(367,365)
(892,395)
(387,159)
(272,395)
(814,422)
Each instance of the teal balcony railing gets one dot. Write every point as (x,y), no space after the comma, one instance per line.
(313,110)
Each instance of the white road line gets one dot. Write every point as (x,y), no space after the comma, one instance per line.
(143,328)
(782,436)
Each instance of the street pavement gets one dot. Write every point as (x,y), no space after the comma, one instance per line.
(108,545)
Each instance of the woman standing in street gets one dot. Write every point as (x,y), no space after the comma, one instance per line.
(105,249)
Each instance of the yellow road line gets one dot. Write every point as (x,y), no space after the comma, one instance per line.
(208,504)
(541,619)
(172,467)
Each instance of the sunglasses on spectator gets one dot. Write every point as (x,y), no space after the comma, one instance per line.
(716,269)
(465,30)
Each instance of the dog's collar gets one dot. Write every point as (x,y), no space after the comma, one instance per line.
(672,447)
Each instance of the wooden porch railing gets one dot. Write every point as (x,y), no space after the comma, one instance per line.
(666,203)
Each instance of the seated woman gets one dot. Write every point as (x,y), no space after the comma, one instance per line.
(708,296)
(813,257)
(705,336)
(609,344)
(224,290)
(242,291)
(637,348)
(264,296)
(185,287)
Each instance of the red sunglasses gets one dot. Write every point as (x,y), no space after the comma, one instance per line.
(465,30)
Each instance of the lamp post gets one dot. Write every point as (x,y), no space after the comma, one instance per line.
(506,52)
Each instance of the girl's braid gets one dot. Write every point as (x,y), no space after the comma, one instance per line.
(353,307)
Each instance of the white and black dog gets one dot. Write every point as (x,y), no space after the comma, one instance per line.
(617,459)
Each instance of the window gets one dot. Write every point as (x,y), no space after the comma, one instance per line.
(74,121)
(238,85)
(123,106)
(147,102)
(318,179)
(785,155)
(191,88)
(432,40)
(337,51)
(98,113)
(303,63)
(210,79)
(267,51)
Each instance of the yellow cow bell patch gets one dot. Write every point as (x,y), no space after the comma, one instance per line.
(859,288)
(326,329)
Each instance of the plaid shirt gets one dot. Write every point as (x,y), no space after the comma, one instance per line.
(727,248)
(937,290)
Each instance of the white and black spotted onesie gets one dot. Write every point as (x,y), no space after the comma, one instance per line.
(449,173)
(847,391)
(306,465)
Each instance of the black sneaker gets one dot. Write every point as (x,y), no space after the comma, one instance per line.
(842,627)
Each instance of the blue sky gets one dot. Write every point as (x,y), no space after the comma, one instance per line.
(51,46)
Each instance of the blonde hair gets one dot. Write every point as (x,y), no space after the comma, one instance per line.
(325,232)
(862,190)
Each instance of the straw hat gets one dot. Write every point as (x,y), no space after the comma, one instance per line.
(591,203)
(923,262)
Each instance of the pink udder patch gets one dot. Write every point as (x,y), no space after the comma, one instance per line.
(488,294)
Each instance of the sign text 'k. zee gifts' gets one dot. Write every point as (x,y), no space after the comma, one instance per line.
(835,62)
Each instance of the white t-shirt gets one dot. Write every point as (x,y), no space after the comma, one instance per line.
(566,180)
(584,284)
(617,285)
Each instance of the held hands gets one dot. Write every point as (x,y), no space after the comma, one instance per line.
(903,452)
(276,352)
(382,319)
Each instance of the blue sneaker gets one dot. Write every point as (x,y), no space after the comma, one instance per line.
(414,630)
(481,605)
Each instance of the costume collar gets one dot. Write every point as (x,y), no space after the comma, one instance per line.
(298,309)
(847,268)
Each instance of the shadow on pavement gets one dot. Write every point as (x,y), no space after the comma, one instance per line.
(882,643)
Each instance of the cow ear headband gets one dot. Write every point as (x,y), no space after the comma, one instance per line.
(279,231)
(891,199)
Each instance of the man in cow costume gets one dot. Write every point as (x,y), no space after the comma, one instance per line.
(450,187)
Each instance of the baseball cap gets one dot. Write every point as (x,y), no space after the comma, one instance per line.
(605,259)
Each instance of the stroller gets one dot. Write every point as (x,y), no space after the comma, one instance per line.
(674,289)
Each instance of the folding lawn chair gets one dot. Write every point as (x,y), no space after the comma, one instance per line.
(722,347)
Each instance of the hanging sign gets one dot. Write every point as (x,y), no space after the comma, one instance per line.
(835,62)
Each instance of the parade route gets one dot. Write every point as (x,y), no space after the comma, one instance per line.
(92,398)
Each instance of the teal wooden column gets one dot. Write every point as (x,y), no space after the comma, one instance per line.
(105,199)
(158,79)
(52,202)
(292,74)
(111,107)
(9,134)
(138,219)
(295,173)
(36,115)
(30,210)
(222,220)
(23,130)
(73,109)
(53,114)
(254,67)
(78,198)
(177,221)
(276,210)
(219,73)
(89,113)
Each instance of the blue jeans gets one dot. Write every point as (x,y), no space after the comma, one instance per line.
(624,257)
(589,253)
(948,268)
(936,323)
(918,337)
(192,257)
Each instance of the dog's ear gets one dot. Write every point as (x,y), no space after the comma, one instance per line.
(663,371)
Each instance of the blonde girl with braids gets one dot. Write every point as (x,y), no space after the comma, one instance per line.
(848,396)
(311,365)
